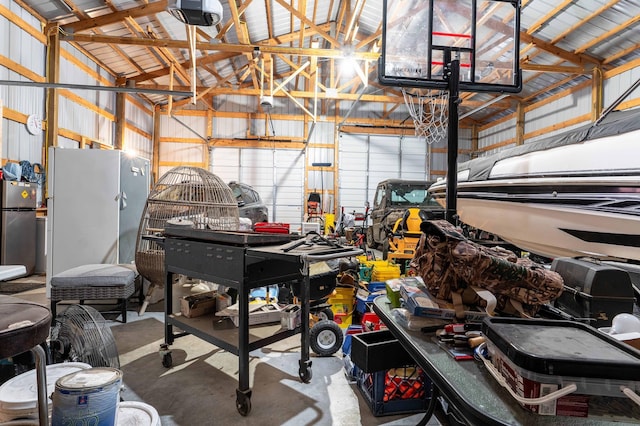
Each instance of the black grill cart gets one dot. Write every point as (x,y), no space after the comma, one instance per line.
(242,261)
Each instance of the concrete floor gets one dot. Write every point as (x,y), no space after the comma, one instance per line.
(199,389)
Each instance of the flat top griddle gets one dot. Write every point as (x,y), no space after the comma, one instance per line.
(237,238)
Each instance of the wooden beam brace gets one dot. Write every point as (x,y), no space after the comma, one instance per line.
(112,18)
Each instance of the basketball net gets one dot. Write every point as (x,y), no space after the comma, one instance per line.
(429,112)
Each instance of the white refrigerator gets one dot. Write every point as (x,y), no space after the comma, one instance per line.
(94,205)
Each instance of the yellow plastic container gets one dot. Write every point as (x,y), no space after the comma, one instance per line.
(341,305)
(387,272)
(329,223)
(343,320)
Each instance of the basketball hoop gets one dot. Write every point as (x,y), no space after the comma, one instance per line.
(429,112)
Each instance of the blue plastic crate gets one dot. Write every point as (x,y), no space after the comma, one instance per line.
(403,390)
(364,305)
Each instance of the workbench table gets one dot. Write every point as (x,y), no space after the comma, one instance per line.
(474,397)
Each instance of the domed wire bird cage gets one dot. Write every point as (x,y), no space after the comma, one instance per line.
(186,195)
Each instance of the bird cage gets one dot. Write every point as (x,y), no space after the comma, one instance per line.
(182,195)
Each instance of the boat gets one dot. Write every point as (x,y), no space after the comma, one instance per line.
(576,194)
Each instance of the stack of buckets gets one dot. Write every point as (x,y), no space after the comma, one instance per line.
(379,270)
(79,393)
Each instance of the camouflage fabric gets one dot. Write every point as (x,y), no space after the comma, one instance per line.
(448,262)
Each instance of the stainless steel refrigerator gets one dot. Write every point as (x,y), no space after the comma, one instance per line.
(95,202)
(18,224)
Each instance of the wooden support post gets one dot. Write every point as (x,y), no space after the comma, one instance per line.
(121,101)
(53,76)
(596,94)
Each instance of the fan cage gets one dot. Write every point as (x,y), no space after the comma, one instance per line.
(183,194)
(81,334)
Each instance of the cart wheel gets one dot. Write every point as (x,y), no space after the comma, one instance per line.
(243,404)
(325,338)
(167,360)
(325,314)
(305,374)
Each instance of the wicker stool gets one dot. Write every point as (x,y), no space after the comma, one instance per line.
(94,282)
(24,326)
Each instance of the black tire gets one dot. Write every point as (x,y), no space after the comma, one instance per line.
(325,338)
(371,243)
(305,374)
(167,360)
(243,406)
(325,314)
(385,249)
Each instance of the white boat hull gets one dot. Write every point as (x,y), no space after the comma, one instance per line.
(572,195)
(543,229)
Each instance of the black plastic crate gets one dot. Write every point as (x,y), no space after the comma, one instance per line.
(402,390)
(378,350)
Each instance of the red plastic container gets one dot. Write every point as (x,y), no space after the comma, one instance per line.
(271,227)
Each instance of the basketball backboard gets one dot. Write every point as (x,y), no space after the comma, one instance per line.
(421,37)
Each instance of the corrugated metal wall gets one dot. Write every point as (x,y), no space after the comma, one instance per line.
(618,84)
(27,51)
(365,160)
(83,114)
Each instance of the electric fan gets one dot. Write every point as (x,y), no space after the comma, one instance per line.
(184,194)
(81,334)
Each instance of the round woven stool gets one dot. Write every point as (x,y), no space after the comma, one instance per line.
(24,326)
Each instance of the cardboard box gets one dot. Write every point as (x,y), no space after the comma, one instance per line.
(199,304)
(259,313)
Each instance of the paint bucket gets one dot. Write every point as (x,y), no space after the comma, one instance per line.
(133,413)
(87,397)
(19,395)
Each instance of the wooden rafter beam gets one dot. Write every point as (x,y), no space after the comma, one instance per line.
(220,47)
(607,35)
(115,17)
(525,66)
(548,17)
(303,19)
(574,58)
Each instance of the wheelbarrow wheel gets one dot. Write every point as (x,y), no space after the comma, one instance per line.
(325,338)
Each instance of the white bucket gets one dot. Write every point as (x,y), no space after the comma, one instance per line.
(87,397)
(133,413)
(19,395)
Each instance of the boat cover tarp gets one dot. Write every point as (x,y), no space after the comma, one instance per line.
(616,123)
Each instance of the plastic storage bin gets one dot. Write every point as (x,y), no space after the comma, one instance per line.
(537,357)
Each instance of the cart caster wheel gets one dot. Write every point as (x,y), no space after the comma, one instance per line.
(325,338)
(243,403)
(305,374)
(167,360)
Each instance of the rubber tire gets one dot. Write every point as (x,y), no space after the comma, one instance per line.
(371,243)
(325,338)
(385,249)
(305,374)
(325,314)
(243,406)
(167,360)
